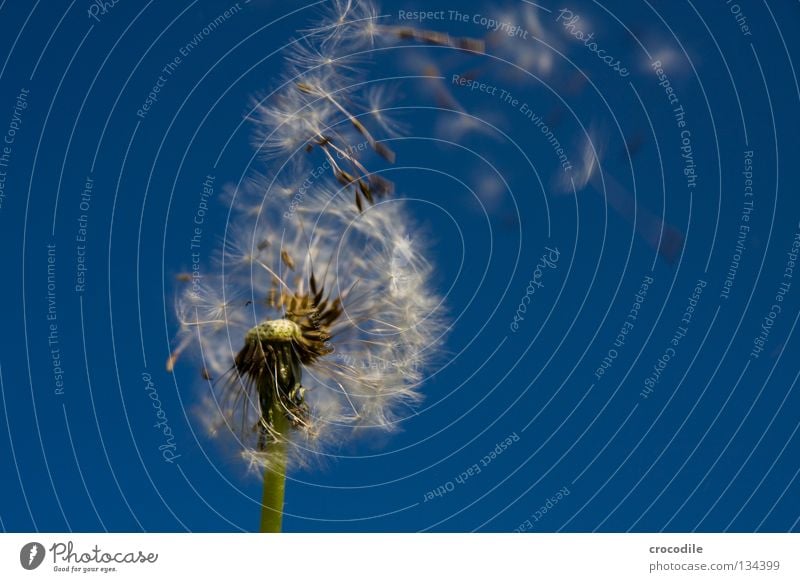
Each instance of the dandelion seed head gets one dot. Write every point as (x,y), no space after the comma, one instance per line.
(341,326)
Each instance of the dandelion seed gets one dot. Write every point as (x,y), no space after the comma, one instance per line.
(666,239)
(355,24)
(377,101)
(307,113)
(380,148)
(536,56)
(437,38)
(306,57)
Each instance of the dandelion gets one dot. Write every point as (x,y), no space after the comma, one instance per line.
(318,320)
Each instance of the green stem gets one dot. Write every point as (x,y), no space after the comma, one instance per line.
(275,476)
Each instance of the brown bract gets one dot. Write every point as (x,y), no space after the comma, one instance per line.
(270,364)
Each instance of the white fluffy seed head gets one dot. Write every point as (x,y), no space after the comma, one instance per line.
(383,344)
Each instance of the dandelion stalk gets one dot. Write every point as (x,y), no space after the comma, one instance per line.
(275,476)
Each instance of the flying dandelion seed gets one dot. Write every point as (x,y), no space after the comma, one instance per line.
(533,55)
(666,239)
(377,99)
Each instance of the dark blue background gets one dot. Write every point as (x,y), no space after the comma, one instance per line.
(714,448)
